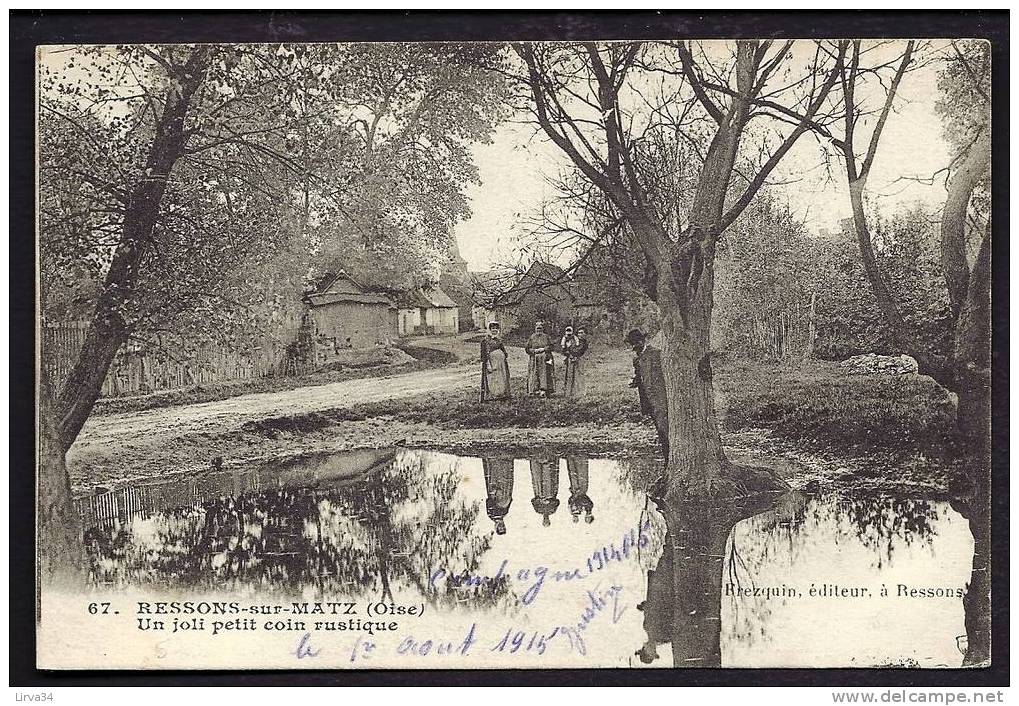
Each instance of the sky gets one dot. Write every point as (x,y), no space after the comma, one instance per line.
(513,170)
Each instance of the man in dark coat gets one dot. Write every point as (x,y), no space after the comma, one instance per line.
(650,383)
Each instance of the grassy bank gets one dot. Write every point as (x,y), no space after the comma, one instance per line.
(610,401)
(879,432)
(813,402)
(816,402)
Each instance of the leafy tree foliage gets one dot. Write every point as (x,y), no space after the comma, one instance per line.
(406,116)
(189,191)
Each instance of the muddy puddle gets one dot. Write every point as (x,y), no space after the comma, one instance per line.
(568,546)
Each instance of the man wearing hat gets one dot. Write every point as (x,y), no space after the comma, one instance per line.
(650,383)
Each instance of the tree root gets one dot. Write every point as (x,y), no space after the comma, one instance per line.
(734,482)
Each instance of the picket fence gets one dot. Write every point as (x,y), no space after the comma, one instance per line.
(781,333)
(153,368)
(109,508)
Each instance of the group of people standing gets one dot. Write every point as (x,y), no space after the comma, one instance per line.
(544,484)
(541,377)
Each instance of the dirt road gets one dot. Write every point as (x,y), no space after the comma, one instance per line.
(224,415)
(210,418)
(113,448)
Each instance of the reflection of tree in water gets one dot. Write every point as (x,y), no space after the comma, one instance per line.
(388,529)
(884,524)
(881,524)
(772,536)
(639,472)
(412,523)
(778,537)
(683,604)
(708,547)
(254,539)
(976,643)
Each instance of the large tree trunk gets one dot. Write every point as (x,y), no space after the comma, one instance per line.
(969,290)
(901,339)
(695,446)
(105,335)
(966,369)
(971,170)
(61,558)
(697,466)
(108,331)
(971,353)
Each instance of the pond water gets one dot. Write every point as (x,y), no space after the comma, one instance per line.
(569,546)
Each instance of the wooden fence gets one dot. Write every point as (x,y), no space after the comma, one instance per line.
(782,332)
(138,369)
(113,507)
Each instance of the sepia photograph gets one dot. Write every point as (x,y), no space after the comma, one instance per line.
(664,353)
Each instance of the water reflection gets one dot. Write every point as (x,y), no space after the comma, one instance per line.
(351,534)
(683,605)
(580,502)
(545,482)
(499,488)
(380,524)
(975,644)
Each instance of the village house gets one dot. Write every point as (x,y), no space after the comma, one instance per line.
(344,315)
(454,280)
(485,288)
(592,304)
(427,310)
(542,292)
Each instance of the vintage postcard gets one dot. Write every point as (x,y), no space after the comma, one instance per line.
(656,354)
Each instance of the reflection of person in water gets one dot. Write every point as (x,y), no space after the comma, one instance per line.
(579,502)
(545,481)
(684,594)
(499,487)
(658,608)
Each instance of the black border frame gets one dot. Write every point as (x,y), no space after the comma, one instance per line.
(28,29)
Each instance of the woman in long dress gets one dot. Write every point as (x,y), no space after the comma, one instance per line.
(495,379)
(540,364)
(573,347)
